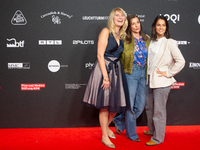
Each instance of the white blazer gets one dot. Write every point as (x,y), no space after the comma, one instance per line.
(169,59)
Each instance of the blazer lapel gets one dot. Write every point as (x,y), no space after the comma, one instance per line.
(161,53)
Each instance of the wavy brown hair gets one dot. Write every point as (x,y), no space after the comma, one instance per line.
(153,28)
(129,35)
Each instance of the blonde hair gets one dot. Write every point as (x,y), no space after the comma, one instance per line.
(111,25)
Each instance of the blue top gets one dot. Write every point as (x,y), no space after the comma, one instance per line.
(140,52)
(112,49)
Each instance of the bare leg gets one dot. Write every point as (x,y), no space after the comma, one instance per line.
(110,118)
(103,119)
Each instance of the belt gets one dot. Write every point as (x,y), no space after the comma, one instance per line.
(110,65)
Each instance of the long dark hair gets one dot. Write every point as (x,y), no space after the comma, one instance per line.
(153,28)
(129,35)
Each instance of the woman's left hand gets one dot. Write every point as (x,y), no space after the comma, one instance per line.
(162,73)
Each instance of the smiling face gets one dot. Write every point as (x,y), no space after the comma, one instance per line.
(135,25)
(160,28)
(119,19)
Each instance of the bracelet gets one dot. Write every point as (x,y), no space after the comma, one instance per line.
(106,79)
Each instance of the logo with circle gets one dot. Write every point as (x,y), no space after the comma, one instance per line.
(199,19)
(54,66)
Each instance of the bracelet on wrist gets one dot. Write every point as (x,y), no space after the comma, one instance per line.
(106,79)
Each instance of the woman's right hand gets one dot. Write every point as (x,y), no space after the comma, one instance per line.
(105,85)
(148,36)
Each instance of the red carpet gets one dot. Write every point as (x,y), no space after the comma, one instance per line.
(177,138)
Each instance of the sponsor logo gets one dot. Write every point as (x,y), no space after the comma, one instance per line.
(32,87)
(50,42)
(178,85)
(89,65)
(174,18)
(84,42)
(199,19)
(141,17)
(194,65)
(98,18)
(54,66)
(14,44)
(73,86)
(183,42)
(25,65)
(18,18)
(95,17)
(55,16)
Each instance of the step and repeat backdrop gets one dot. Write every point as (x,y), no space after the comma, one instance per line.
(48,49)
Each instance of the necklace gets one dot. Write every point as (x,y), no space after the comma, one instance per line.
(117,33)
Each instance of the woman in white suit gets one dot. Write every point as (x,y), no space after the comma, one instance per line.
(164,61)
